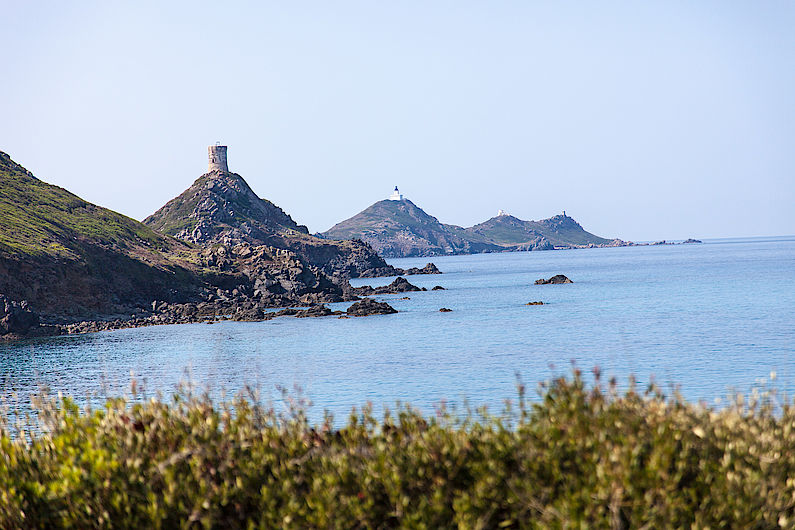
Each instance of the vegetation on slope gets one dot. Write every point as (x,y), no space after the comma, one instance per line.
(582,456)
(40,219)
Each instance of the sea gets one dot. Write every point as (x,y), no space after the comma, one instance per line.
(705,320)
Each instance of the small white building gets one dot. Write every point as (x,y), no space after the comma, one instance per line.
(500,213)
(396,195)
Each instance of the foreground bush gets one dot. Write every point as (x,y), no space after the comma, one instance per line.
(582,456)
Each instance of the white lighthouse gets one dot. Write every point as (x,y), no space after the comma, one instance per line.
(396,195)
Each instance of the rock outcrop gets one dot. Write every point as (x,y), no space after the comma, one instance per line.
(399,285)
(368,306)
(16,317)
(557,279)
(430,268)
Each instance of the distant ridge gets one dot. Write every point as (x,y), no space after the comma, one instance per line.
(400,228)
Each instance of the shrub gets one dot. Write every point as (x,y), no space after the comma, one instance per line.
(583,455)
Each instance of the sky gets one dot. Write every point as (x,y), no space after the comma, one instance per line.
(643,120)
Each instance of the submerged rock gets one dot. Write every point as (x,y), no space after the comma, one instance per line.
(558,278)
(368,306)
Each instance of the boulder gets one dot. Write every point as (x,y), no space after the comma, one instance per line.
(368,306)
(438,288)
(558,278)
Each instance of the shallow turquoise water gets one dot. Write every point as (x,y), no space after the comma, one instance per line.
(709,318)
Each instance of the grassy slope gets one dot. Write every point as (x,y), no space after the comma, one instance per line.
(39,219)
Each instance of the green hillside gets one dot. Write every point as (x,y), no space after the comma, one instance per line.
(39,219)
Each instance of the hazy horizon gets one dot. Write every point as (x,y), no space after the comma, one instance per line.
(643,121)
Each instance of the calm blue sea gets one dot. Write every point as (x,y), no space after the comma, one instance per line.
(707,318)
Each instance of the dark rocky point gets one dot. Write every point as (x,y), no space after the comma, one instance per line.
(399,285)
(368,306)
(430,268)
(557,279)
(535,303)
(445,310)
(438,288)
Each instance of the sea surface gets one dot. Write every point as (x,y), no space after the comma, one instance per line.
(708,319)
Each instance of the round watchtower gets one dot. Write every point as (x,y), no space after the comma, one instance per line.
(217,158)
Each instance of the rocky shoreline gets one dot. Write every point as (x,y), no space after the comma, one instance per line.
(18,321)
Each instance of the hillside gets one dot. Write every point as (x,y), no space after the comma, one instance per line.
(68,256)
(220,208)
(401,228)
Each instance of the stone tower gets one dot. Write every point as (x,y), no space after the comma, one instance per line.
(217,158)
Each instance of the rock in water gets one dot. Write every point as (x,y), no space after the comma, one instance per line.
(535,303)
(368,306)
(438,288)
(430,268)
(399,285)
(558,278)
(445,310)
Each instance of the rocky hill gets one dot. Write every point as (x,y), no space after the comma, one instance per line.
(220,208)
(402,229)
(399,228)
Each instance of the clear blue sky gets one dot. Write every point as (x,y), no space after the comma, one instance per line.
(643,120)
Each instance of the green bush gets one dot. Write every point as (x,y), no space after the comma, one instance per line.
(583,455)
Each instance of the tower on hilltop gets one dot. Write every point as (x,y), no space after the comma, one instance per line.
(396,195)
(217,154)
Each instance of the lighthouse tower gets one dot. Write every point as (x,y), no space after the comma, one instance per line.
(217,154)
(396,195)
